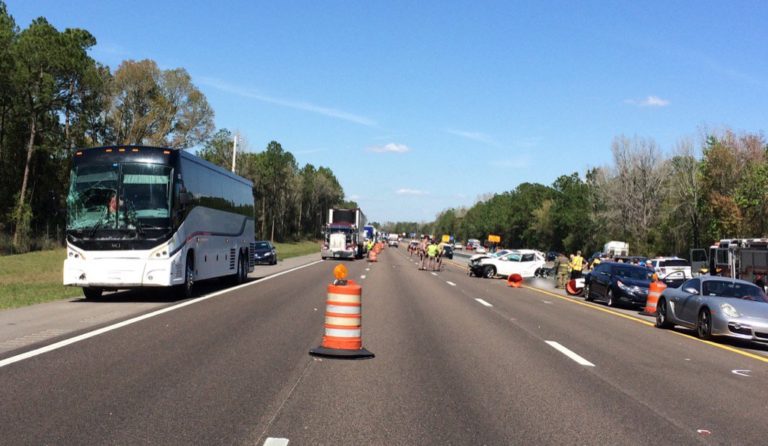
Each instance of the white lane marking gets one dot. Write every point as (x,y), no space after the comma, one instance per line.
(363,276)
(450,283)
(91,334)
(547,302)
(741,372)
(434,274)
(271,441)
(367,269)
(483,302)
(569,354)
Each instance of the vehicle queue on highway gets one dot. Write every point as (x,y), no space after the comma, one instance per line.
(708,302)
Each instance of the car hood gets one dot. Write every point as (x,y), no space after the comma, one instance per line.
(634,282)
(261,251)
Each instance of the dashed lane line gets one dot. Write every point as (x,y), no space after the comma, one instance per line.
(483,302)
(271,441)
(650,324)
(557,346)
(450,283)
(363,276)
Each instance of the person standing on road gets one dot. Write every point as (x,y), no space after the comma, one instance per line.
(432,255)
(562,267)
(423,253)
(577,264)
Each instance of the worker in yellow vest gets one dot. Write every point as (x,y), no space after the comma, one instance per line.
(577,265)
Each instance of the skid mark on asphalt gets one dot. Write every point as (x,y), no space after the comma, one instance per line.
(279,409)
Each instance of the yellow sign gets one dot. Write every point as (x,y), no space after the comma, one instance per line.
(446,238)
(494,238)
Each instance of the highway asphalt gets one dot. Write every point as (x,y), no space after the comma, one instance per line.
(459,360)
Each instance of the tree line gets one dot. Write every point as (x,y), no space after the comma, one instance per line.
(54,97)
(660,204)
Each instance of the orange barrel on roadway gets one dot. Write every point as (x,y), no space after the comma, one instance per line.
(343,323)
(654,292)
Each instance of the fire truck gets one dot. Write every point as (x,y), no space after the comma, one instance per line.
(736,258)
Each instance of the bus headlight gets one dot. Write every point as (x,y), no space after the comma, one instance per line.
(72,253)
(159,253)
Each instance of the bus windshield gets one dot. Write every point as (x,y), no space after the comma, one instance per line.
(119,196)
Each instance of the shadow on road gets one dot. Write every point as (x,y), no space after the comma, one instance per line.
(161,295)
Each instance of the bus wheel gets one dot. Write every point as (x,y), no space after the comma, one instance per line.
(242,271)
(91,293)
(189,279)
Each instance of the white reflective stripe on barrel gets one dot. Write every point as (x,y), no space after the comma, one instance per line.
(342,309)
(343,332)
(344,298)
(345,321)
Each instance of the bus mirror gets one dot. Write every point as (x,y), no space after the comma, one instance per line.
(185,198)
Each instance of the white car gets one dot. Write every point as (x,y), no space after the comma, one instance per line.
(480,249)
(458,246)
(666,266)
(520,261)
(476,257)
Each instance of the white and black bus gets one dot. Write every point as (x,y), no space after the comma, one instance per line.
(155,217)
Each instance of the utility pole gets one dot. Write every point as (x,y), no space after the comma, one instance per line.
(234,153)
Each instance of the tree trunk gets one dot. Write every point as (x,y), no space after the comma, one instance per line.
(67,113)
(20,206)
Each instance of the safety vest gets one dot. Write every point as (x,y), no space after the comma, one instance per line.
(577,263)
(432,250)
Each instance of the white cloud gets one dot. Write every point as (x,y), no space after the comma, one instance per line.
(298,105)
(474,136)
(390,148)
(405,191)
(650,101)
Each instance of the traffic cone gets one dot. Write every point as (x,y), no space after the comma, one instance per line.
(515,280)
(372,256)
(654,292)
(343,320)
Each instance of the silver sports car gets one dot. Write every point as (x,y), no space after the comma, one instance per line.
(716,306)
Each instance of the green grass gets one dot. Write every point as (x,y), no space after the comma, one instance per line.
(36,277)
(288,250)
(27,279)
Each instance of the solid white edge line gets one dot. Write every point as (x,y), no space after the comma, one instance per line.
(450,283)
(483,302)
(569,353)
(90,334)
(272,441)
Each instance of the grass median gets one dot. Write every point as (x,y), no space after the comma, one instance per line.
(27,279)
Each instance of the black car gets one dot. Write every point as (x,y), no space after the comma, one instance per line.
(616,283)
(265,252)
(448,252)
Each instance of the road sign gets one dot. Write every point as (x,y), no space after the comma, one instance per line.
(494,238)
(446,238)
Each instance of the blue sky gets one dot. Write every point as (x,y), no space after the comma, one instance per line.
(422,106)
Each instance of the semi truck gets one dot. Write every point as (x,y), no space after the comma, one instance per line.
(344,234)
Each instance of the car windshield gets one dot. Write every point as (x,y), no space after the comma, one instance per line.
(736,290)
(633,273)
(673,262)
(134,196)
(262,245)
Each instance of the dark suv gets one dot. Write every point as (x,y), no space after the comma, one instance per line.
(616,283)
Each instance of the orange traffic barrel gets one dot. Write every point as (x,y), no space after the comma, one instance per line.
(372,256)
(515,280)
(575,287)
(654,292)
(343,321)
